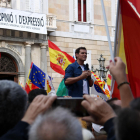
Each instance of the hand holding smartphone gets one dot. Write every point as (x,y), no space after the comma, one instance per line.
(73,104)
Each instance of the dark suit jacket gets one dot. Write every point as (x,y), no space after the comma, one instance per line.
(19,132)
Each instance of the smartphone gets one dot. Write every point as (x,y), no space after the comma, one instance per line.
(73,104)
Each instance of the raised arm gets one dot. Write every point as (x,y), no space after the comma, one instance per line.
(118,71)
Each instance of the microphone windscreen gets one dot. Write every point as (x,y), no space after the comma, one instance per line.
(87,66)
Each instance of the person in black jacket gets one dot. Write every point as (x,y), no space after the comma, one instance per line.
(13,101)
(39,105)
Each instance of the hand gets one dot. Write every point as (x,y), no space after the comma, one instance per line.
(84,74)
(39,105)
(118,70)
(89,73)
(98,109)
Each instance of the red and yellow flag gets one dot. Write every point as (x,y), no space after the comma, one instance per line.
(59,60)
(109,81)
(128,47)
(33,79)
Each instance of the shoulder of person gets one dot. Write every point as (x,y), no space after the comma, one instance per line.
(72,65)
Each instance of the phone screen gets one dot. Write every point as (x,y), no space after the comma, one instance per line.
(73,104)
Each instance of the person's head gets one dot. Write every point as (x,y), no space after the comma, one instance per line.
(13,101)
(81,53)
(127,125)
(33,93)
(115,104)
(115,101)
(135,104)
(57,124)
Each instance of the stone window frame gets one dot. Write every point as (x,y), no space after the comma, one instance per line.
(74,11)
(15,56)
(78,26)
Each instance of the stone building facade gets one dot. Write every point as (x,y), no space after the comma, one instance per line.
(70,24)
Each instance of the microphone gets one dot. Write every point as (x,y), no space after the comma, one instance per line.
(87,67)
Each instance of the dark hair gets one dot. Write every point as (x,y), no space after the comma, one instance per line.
(115,107)
(78,50)
(111,100)
(135,104)
(127,125)
(32,94)
(13,101)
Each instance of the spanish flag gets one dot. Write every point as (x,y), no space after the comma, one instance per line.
(128,37)
(59,60)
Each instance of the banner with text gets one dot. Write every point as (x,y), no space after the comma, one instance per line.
(23,21)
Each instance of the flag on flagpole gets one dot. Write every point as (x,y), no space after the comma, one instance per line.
(62,90)
(96,78)
(98,88)
(107,91)
(59,60)
(20,83)
(50,88)
(36,78)
(128,33)
(116,93)
(109,81)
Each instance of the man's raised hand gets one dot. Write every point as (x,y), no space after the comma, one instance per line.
(98,109)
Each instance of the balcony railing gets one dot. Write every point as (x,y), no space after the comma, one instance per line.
(51,22)
(5,3)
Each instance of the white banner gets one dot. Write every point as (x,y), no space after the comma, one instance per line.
(23,21)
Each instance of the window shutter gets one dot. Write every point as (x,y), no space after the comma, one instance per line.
(75,10)
(31,5)
(27,5)
(89,10)
(37,6)
(41,6)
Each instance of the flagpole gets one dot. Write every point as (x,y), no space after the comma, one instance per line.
(117,29)
(109,42)
(107,31)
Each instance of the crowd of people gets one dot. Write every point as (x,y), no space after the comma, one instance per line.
(31,117)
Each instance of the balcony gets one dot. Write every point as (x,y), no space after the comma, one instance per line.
(51,22)
(5,3)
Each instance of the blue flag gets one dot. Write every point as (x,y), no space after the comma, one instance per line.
(37,77)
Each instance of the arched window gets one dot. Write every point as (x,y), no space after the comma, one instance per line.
(7,64)
(8,67)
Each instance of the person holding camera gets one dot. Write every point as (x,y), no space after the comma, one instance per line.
(77,75)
